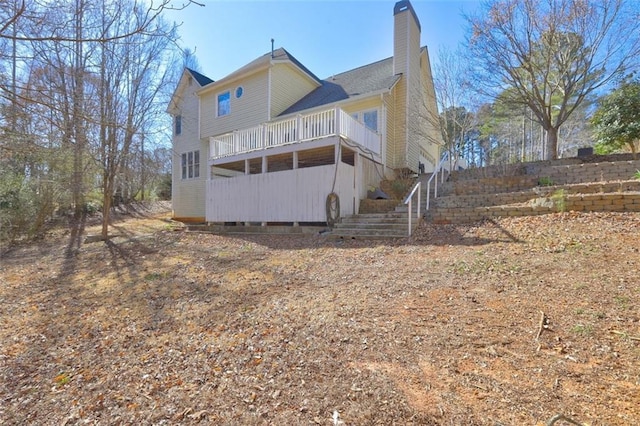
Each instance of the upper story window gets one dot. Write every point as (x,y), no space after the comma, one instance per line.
(224,104)
(190,165)
(178,124)
(368,118)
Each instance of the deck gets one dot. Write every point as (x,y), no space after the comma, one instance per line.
(295,131)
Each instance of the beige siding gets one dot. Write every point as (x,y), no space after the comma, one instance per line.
(400,41)
(386,125)
(416,131)
(247,111)
(362,105)
(408,96)
(188,197)
(371,174)
(431,143)
(288,85)
(399,146)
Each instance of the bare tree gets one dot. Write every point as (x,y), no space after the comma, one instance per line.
(130,78)
(16,11)
(77,77)
(453,94)
(552,53)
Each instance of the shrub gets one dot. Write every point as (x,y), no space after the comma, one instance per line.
(559,199)
(545,181)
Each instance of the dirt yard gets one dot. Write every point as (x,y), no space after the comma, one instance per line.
(503,323)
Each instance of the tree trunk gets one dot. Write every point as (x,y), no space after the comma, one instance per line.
(552,143)
(78,117)
(106,206)
(142,176)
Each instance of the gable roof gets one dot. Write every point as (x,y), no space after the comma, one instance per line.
(182,85)
(371,78)
(281,54)
(202,79)
(262,62)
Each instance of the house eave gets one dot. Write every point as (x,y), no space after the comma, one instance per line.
(172,107)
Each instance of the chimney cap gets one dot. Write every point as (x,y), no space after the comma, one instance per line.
(403,6)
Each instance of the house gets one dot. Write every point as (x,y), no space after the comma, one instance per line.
(273,143)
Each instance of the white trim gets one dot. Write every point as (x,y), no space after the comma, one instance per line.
(269,93)
(359,115)
(383,133)
(184,166)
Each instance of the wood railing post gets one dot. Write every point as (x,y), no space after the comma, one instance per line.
(235,142)
(298,130)
(410,213)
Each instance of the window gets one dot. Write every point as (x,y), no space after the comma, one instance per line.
(224,104)
(178,124)
(190,165)
(370,119)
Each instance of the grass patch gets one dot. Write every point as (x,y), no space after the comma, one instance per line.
(622,301)
(62,379)
(152,276)
(581,329)
(545,181)
(559,199)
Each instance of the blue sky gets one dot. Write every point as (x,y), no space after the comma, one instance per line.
(328,37)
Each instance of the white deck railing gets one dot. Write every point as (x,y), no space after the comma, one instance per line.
(408,202)
(327,123)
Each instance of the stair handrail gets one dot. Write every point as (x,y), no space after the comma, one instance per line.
(439,170)
(408,200)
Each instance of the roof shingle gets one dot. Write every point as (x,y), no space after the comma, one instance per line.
(359,81)
(202,79)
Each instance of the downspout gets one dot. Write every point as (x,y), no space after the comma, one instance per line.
(383,122)
(269,91)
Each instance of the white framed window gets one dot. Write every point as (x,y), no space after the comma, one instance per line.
(369,118)
(190,165)
(224,104)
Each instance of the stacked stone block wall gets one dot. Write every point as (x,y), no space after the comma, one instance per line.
(377,206)
(530,175)
(473,195)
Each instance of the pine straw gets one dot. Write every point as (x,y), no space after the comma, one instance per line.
(161,326)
